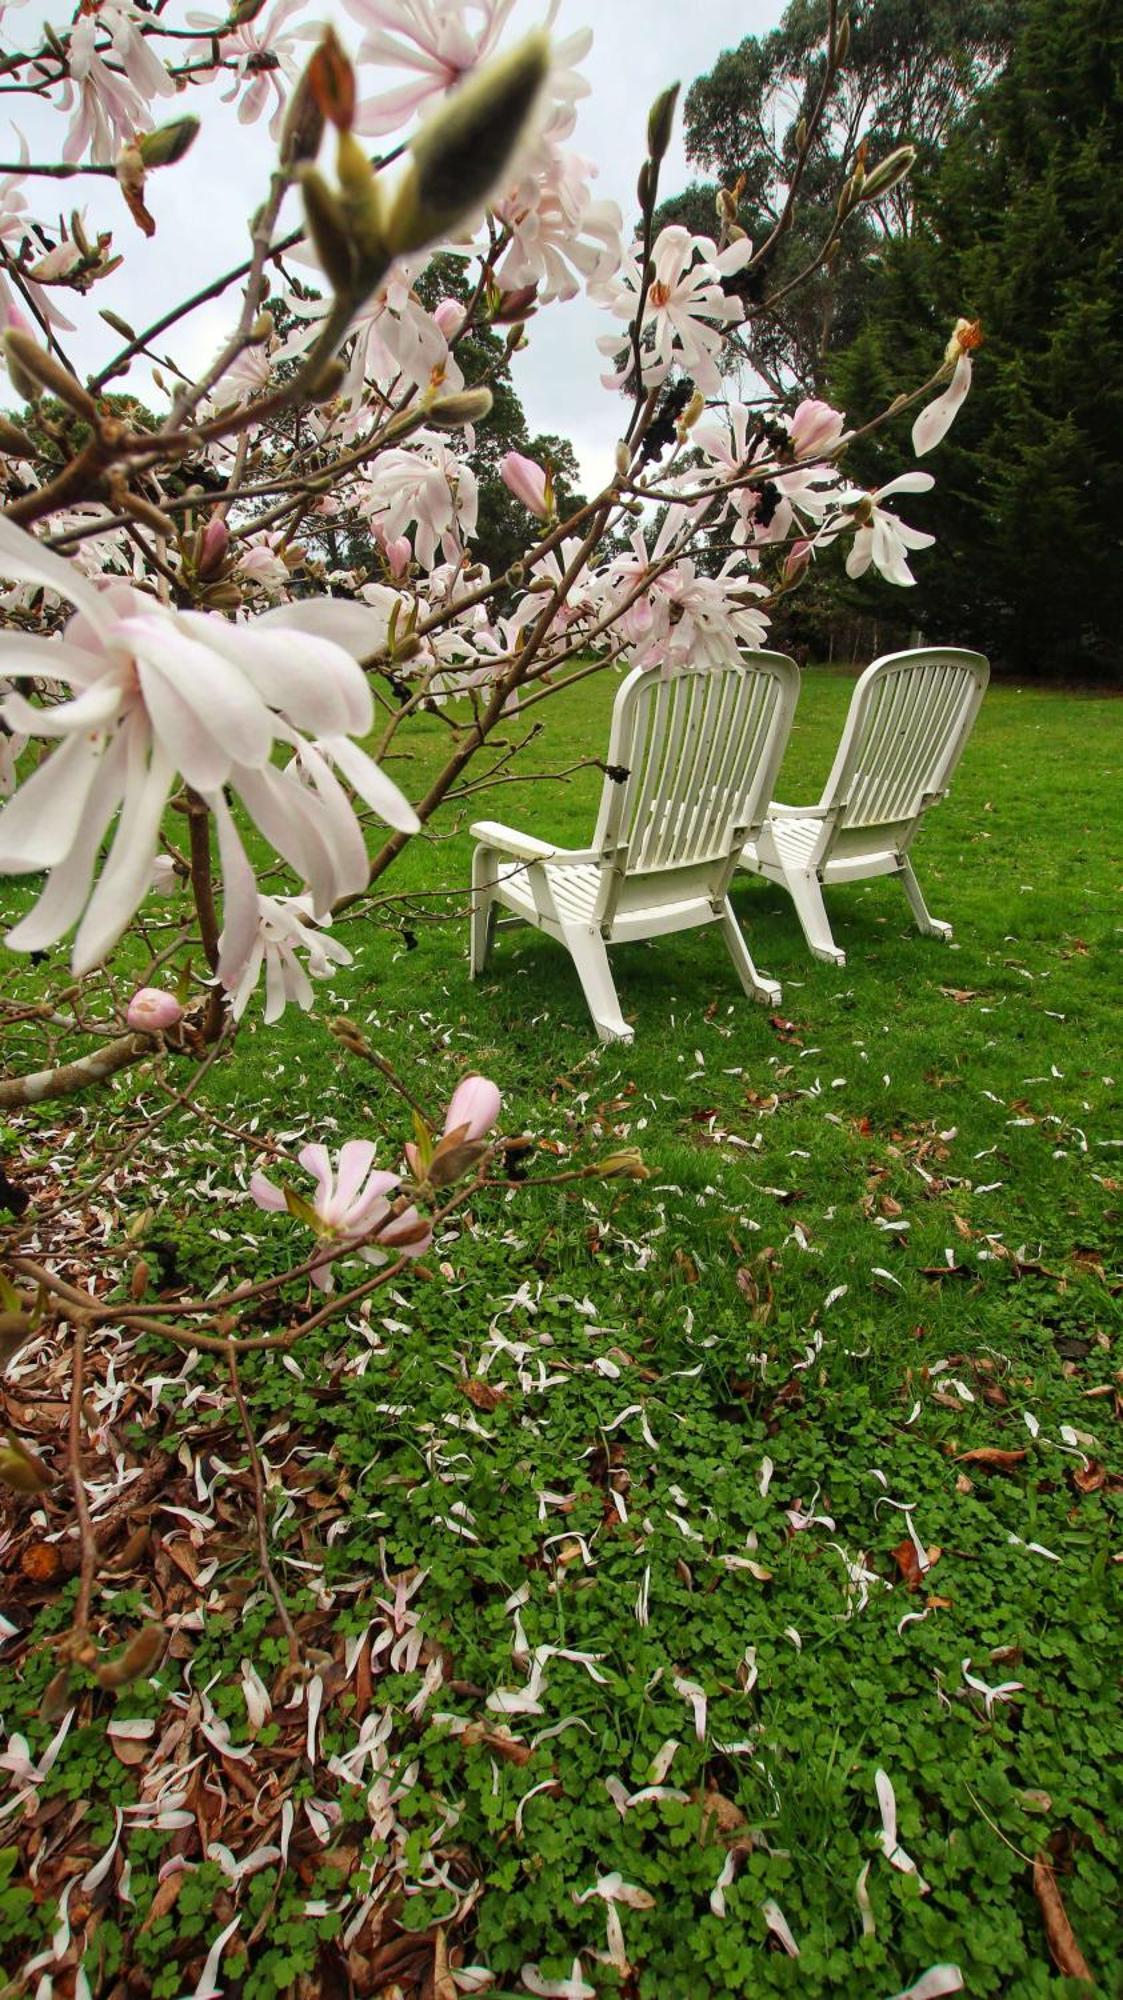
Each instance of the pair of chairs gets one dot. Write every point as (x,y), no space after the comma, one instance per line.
(692,759)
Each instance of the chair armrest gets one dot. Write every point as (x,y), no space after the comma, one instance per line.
(523,846)
(778,811)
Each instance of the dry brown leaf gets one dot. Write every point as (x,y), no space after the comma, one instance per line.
(1063,1948)
(1089,1478)
(993,1460)
(444,1985)
(480,1393)
(908,1562)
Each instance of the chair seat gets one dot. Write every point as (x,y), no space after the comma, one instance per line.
(795,841)
(574,889)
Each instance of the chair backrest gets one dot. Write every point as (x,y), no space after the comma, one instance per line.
(910,717)
(694,753)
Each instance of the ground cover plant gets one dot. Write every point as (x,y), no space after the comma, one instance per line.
(626,1552)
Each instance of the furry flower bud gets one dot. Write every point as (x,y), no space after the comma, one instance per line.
(462,151)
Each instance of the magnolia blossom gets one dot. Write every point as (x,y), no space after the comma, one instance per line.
(152,1008)
(684,614)
(156,693)
(815,428)
(685,307)
(15,222)
(430,37)
(262,563)
(263,59)
(560,236)
(392,343)
(112,103)
(426,487)
(351,1202)
(883,539)
(121,21)
(285,927)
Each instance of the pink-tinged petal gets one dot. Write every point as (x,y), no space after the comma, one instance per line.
(92,710)
(289,816)
(906,482)
(367,778)
(68,884)
(316,1160)
(367,1206)
(936,420)
(123,883)
(39,824)
(25,657)
(266,1194)
(26,561)
(360,630)
(240,917)
(528,481)
(307,677)
(204,711)
(341,829)
(356,1157)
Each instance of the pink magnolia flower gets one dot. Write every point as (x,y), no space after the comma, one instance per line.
(156,693)
(285,927)
(351,1202)
(450,316)
(474,1106)
(430,37)
(529,482)
(152,1008)
(264,60)
(685,308)
(428,487)
(814,427)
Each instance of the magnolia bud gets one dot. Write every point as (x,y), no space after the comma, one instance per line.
(327,226)
(362,206)
(14,442)
(462,150)
(22,1469)
(139,1657)
(32,370)
(801,136)
(151,1008)
(329,381)
(841,42)
(691,413)
(889,172)
(626,1165)
(661,122)
(213,544)
(645,190)
(517,305)
(623,458)
(168,143)
(303,128)
(262,329)
(467,406)
(332,81)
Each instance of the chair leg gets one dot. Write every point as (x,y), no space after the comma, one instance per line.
(757,987)
(931,926)
(807,895)
(482,927)
(590,956)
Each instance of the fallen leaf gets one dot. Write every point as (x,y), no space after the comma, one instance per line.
(1063,1948)
(992,1459)
(480,1393)
(908,1562)
(1089,1478)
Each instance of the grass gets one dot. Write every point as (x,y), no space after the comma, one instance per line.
(760,1302)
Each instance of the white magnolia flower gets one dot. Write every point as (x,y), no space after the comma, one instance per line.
(883,539)
(285,926)
(156,695)
(684,309)
(431,38)
(559,234)
(428,487)
(263,59)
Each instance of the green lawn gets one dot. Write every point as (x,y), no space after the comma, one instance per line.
(882,1231)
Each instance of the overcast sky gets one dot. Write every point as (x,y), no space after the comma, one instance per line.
(201,208)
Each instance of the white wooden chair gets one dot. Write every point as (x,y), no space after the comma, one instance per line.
(909,719)
(692,758)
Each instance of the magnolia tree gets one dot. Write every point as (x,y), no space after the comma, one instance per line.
(198,695)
